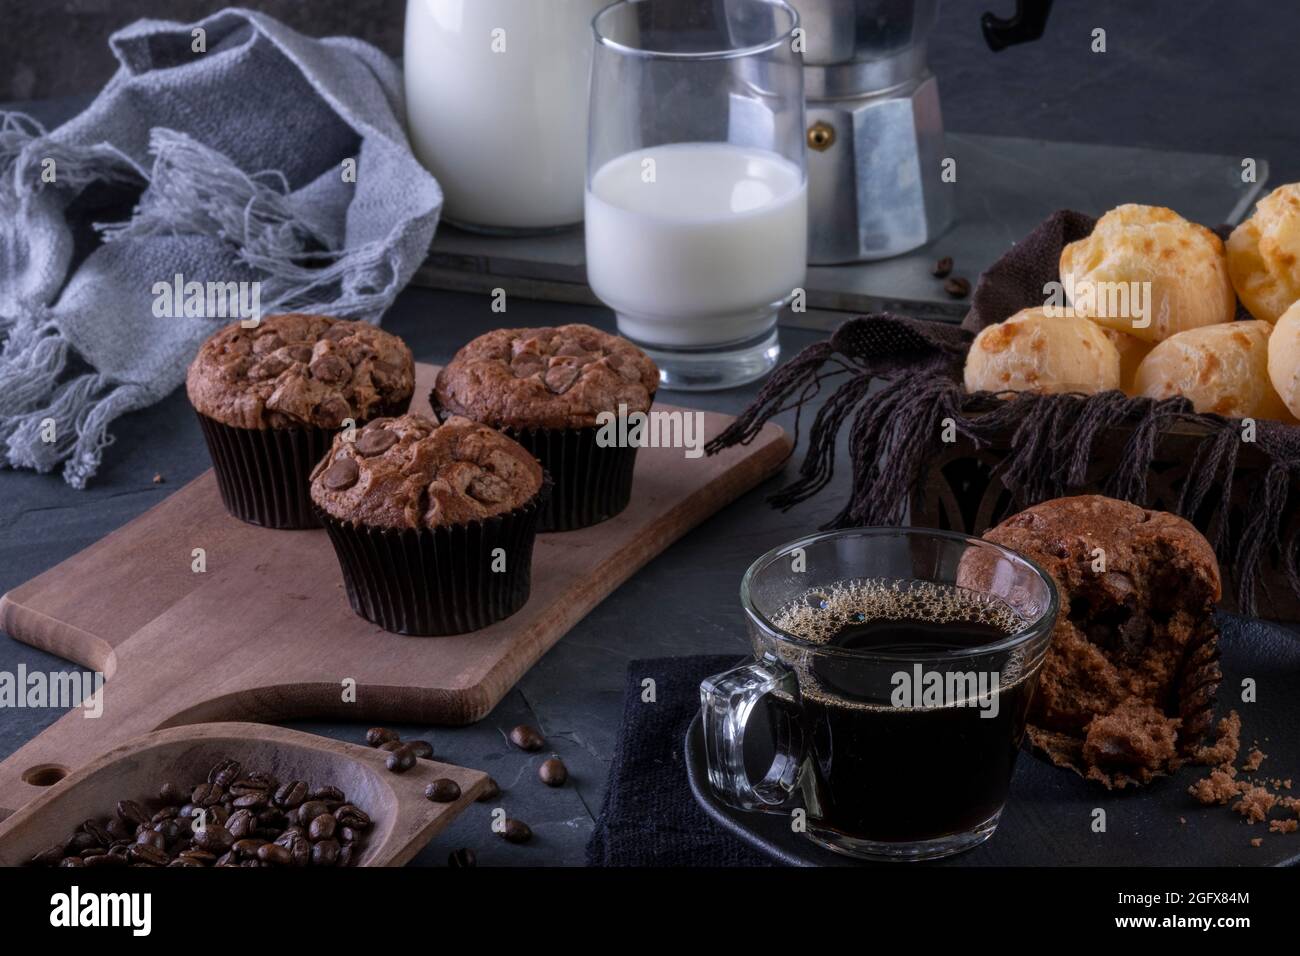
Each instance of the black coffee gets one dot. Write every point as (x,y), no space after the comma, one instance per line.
(890,762)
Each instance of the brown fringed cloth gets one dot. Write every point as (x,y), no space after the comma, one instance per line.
(895,436)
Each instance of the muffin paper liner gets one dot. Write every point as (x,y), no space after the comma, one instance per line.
(264,474)
(592,483)
(431,582)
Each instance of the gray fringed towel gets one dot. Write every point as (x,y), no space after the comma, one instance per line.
(227,165)
(917,367)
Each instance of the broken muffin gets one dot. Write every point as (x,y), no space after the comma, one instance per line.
(1126,692)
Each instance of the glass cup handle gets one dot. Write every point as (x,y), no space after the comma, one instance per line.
(726,702)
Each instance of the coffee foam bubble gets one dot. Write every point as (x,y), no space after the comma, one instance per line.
(819,614)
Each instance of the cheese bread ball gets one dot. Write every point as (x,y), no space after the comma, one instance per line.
(1132,350)
(1036,352)
(1183,262)
(1284,358)
(1264,254)
(1223,369)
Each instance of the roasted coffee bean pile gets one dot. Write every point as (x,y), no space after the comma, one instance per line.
(233,818)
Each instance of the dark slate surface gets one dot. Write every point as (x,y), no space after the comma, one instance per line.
(1178,75)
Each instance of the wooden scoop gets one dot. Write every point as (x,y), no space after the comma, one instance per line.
(403,819)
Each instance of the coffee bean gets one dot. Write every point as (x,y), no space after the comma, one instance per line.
(942,268)
(422,749)
(351,816)
(50,856)
(390,745)
(119,830)
(224,773)
(527,738)
(380,735)
(309,811)
(202,857)
(341,475)
(151,838)
(144,853)
(325,853)
(241,823)
(400,760)
(130,812)
(443,790)
(957,287)
(214,839)
(184,861)
(291,794)
(207,794)
(347,836)
(516,831)
(275,854)
(172,794)
(166,813)
(107,859)
(328,794)
(97,831)
(345,856)
(462,858)
(552,772)
(299,851)
(492,791)
(322,827)
(80,841)
(375,441)
(253,800)
(72,861)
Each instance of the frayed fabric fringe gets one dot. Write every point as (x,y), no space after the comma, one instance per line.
(896,433)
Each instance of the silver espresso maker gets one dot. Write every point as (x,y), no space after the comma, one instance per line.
(875,132)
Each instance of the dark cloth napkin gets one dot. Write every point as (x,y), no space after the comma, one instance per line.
(650,817)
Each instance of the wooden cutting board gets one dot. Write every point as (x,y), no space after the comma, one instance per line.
(403,820)
(266,634)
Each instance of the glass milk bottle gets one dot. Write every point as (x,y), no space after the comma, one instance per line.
(496,103)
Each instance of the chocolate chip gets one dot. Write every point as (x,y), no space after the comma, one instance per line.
(332,412)
(527,738)
(957,287)
(942,268)
(340,475)
(525,364)
(552,772)
(379,735)
(375,441)
(462,858)
(443,790)
(516,831)
(560,378)
(330,368)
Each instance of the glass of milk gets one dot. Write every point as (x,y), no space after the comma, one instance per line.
(496,103)
(696,201)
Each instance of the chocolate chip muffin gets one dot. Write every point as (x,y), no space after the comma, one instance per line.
(269,398)
(1126,692)
(433,523)
(551,389)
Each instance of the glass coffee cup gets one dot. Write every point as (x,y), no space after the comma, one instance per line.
(884,708)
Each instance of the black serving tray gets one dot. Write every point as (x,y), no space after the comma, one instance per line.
(1048,818)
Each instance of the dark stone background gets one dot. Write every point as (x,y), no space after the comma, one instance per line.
(1201,75)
